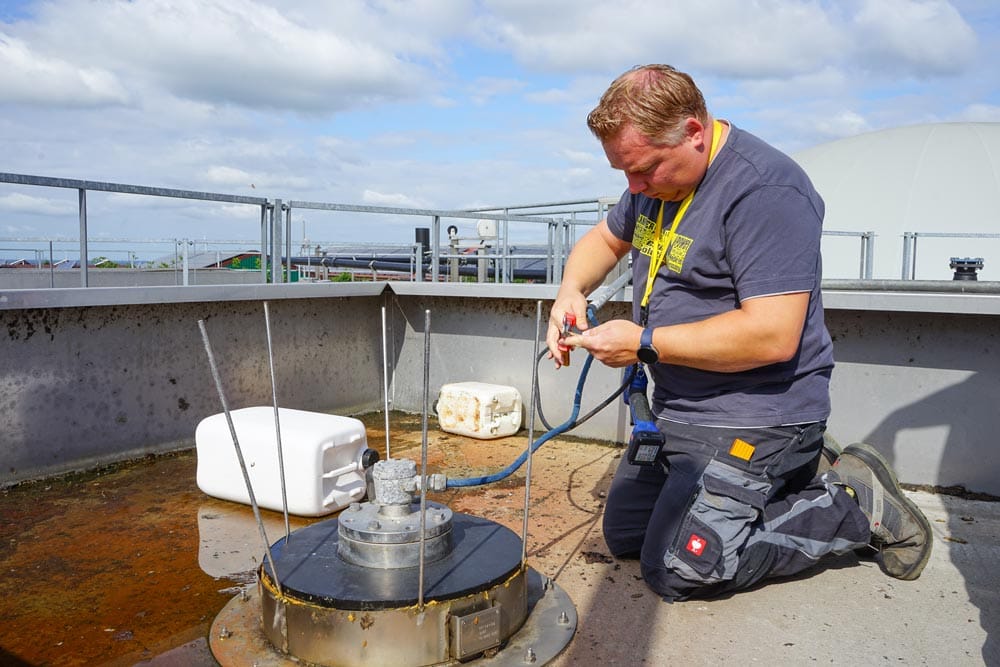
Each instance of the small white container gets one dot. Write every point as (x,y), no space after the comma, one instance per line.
(321,452)
(479,410)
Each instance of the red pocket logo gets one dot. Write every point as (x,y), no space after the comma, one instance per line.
(695,544)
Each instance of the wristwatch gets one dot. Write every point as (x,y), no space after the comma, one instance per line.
(647,353)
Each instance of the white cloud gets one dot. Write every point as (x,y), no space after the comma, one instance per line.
(579,157)
(398,200)
(730,37)
(980,113)
(17,202)
(228,177)
(241,52)
(484,89)
(232,179)
(914,37)
(840,124)
(34,79)
(375,100)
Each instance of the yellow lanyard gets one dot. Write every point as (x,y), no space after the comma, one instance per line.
(661,244)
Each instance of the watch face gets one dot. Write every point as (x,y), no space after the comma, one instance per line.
(648,355)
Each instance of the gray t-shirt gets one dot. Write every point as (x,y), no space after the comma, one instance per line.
(753,229)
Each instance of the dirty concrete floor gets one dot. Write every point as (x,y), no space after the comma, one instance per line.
(130,565)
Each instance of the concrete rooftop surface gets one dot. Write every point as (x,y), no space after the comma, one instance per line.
(130,565)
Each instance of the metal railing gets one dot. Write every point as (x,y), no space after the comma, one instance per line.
(82,187)
(561,218)
(867,250)
(436,216)
(909,268)
(272,237)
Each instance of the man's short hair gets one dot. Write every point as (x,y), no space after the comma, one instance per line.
(655,99)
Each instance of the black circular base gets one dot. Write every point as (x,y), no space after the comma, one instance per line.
(485,554)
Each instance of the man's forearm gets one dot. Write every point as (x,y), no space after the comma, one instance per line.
(593,256)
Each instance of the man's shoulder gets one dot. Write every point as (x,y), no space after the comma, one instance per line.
(762,163)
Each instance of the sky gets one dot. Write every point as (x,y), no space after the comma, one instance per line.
(441,104)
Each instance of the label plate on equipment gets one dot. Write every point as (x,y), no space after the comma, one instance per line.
(475,632)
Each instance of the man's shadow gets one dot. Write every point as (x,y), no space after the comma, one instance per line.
(971,427)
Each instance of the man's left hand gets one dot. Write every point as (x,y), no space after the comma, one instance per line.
(613,343)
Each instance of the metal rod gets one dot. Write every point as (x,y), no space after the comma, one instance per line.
(423,454)
(531,435)
(239,454)
(385,381)
(277,422)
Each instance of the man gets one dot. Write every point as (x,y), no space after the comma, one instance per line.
(724,233)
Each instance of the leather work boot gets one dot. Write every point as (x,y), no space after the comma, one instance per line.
(901,534)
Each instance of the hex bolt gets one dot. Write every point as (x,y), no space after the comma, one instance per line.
(355,507)
(374,525)
(224,633)
(563,618)
(529,656)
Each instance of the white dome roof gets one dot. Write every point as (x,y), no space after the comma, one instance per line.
(935,178)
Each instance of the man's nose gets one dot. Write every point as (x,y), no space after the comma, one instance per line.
(636,184)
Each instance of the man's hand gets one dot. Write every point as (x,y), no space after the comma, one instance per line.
(575,303)
(613,343)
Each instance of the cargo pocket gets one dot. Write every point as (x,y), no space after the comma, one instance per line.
(717,524)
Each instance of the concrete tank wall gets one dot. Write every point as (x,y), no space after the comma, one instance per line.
(86,385)
(923,388)
(95,375)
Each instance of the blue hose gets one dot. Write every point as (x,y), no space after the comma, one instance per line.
(562,428)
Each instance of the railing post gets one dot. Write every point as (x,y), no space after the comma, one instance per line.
(288,244)
(904,272)
(275,249)
(184,259)
(557,251)
(263,243)
(550,258)
(482,274)
(435,247)
(453,260)
(505,262)
(418,254)
(84,281)
(863,255)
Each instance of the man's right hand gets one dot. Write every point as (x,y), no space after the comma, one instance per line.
(575,303)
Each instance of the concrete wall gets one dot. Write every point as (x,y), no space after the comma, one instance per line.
(492,340)
(96,375)
(923,388)
(44,278)
(86,385)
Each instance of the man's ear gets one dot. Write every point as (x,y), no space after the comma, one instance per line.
(694,130)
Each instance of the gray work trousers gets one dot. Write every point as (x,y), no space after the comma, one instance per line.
(728,507)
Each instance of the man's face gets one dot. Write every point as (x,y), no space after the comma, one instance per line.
(657,171)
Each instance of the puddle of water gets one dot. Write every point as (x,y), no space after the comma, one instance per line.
(120,564)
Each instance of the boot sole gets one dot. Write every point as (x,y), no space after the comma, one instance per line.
(883,473)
